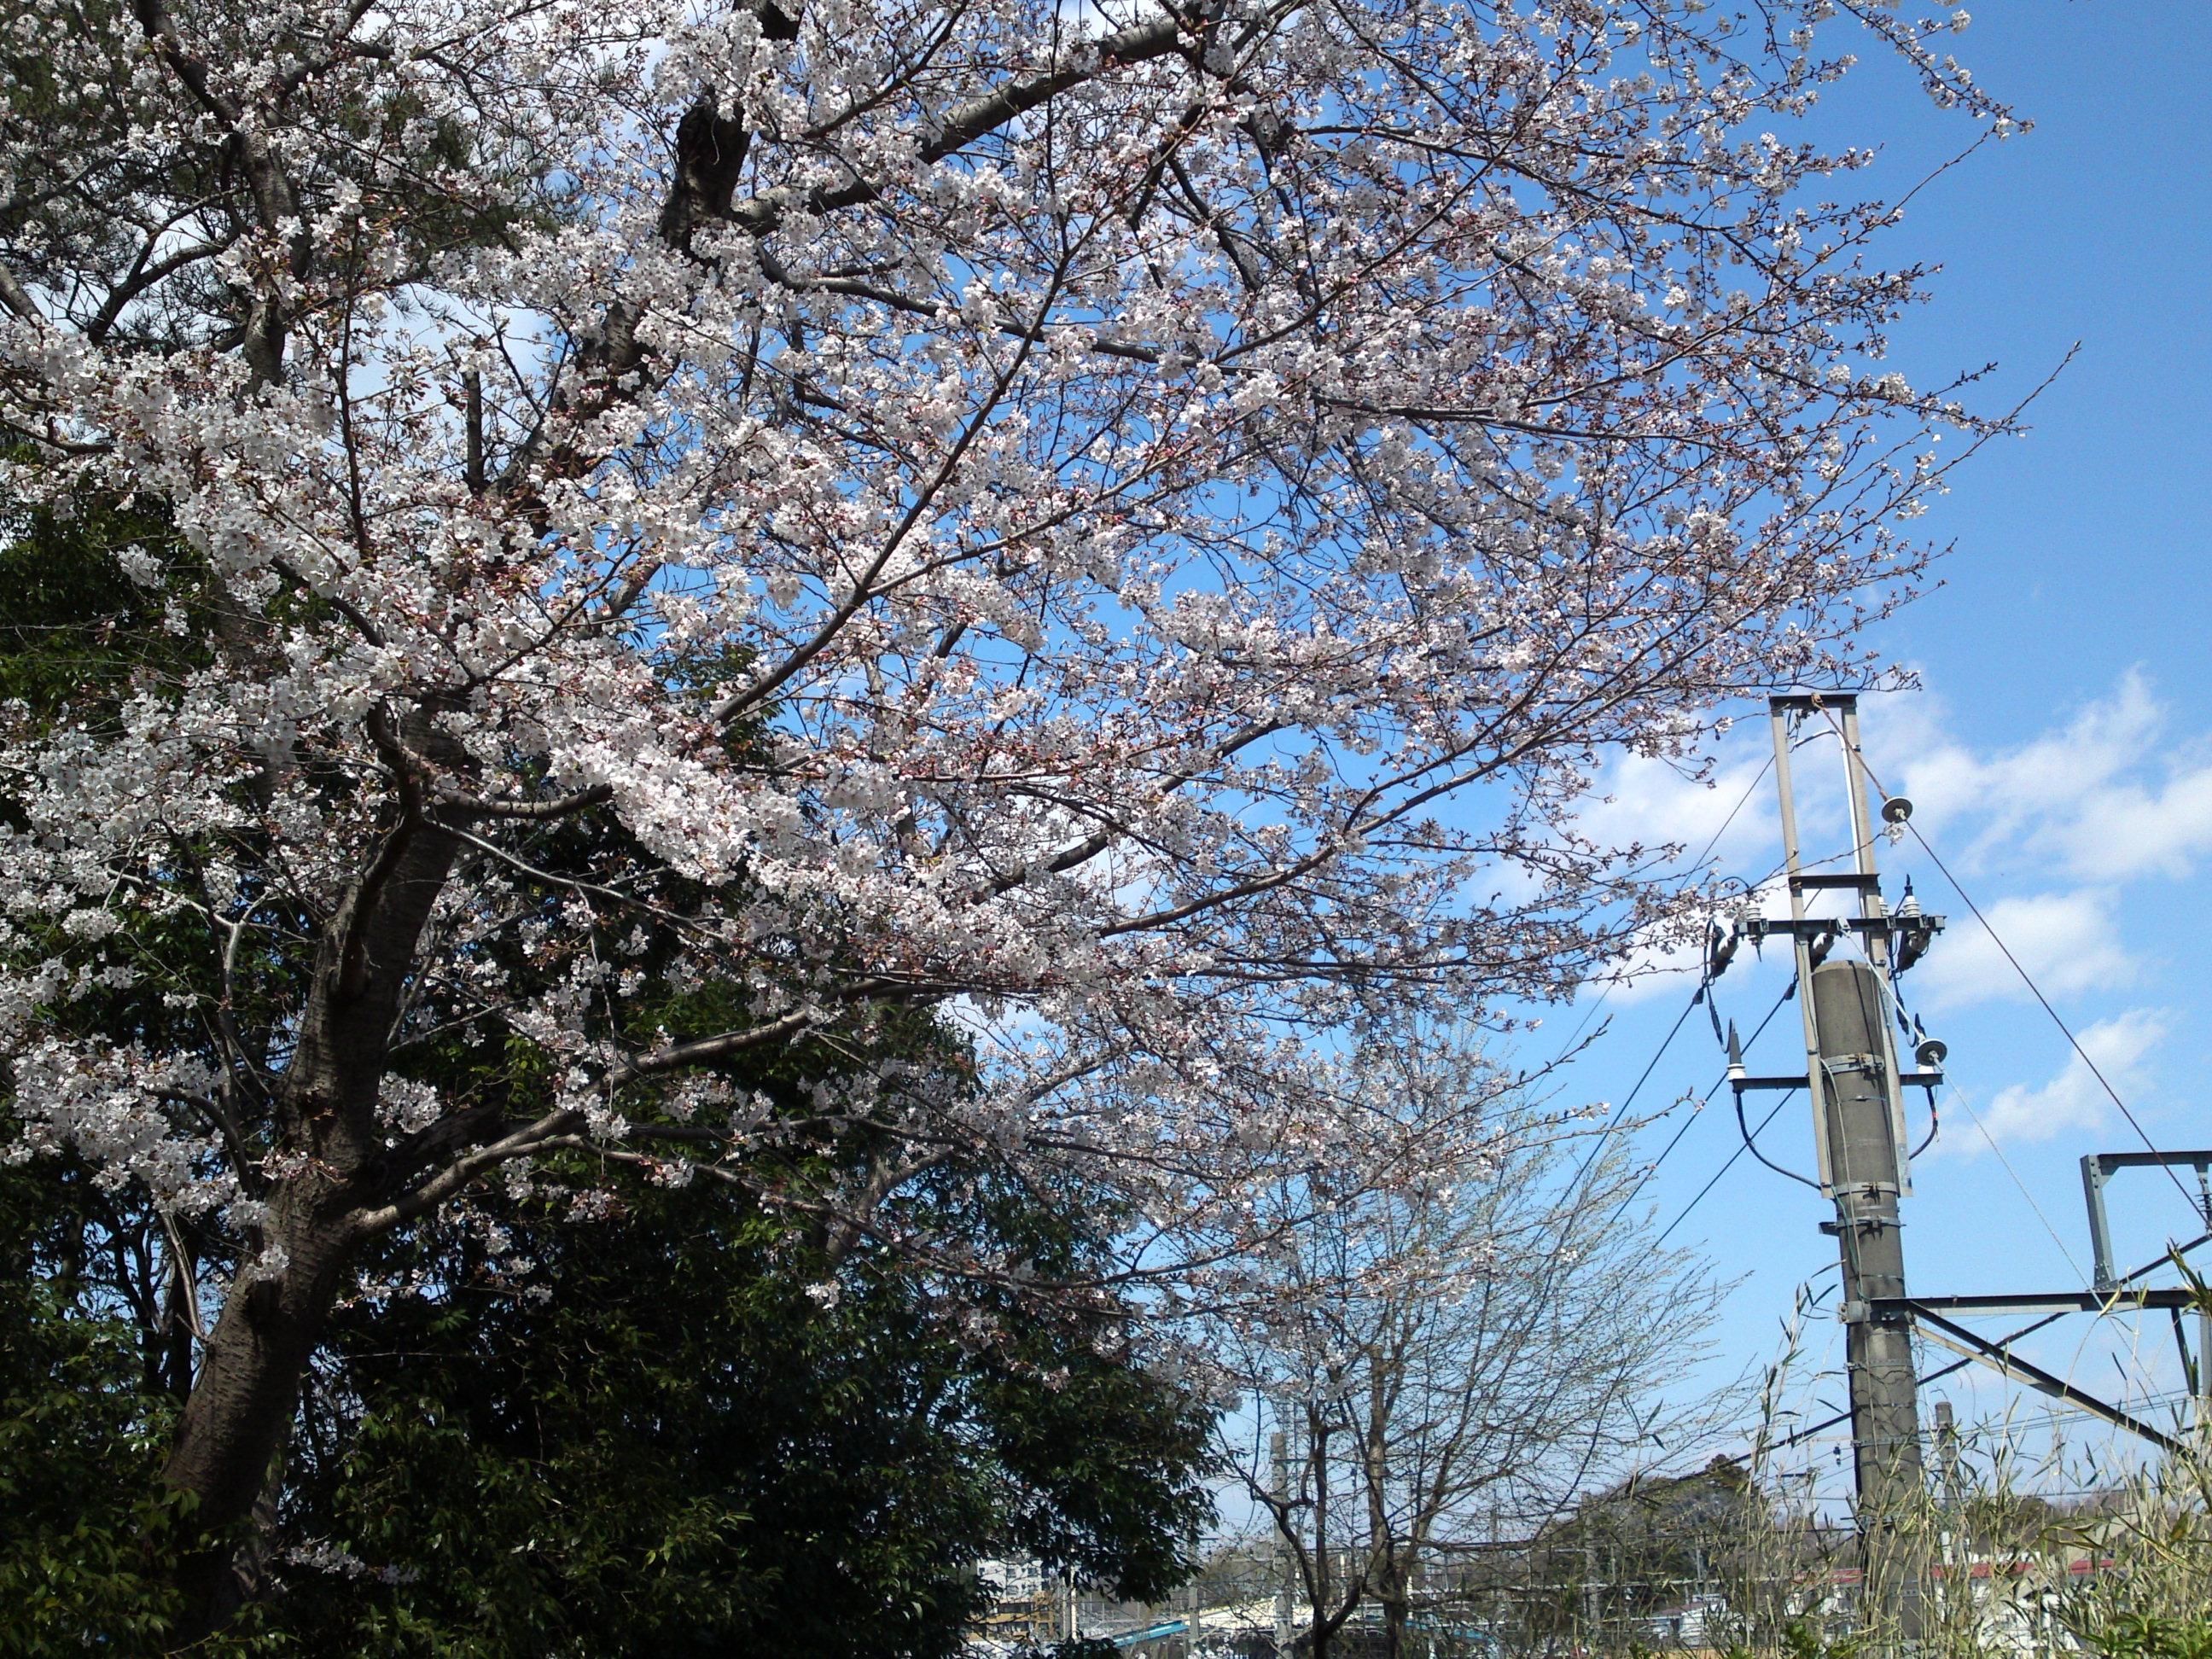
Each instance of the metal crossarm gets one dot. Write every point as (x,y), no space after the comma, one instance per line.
(2096,1302)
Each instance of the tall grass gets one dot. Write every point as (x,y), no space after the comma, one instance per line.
(2003,1552)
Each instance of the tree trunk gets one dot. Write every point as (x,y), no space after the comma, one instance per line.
(241,1410)
(1317,1431)
(242,1402)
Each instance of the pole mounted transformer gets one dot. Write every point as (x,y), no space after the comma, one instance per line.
(1856,1082)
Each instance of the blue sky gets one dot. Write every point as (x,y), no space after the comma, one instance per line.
(2061,748)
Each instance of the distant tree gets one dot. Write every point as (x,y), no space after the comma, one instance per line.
(1638,1545)
(769,1454)
(1498,1334)
(83,1417)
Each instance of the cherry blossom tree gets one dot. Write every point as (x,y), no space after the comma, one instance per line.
(683,528)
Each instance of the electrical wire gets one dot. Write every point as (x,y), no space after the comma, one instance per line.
(1941,1372)
(2036,991)
(1935,1124)
(1620,1111)
(1990,1140)
(1897,1004)
(1645,1180)
(1909,1026)
(2051,1319)
(1726,1167)
(1751,1140)
(1711,841)
(1743,801)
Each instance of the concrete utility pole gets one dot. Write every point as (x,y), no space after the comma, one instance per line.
(1286,1552)
(1866,1173)
(1947,1452)
(1854,1078)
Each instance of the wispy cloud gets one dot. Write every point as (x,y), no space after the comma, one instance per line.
(1729,818)
(2112,794)
(2069,943)
(2053,834)
(2074,1099)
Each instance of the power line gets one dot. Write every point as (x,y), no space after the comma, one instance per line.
(1645,1179)
(1772,1114)
(1713,841)
(1765,767)
(1990,1141)
(2036,991)
(1751,1138)
(1941,1372)
(1621,1110)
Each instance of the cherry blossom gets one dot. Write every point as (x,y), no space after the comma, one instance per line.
(1134,528)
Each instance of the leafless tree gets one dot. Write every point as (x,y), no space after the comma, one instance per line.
(1509,1336)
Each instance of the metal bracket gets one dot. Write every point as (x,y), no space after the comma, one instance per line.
(1756,927)
(1832,1064)
(1875,1189)
(1905,1079)
(1960,1339)
(2097,1169)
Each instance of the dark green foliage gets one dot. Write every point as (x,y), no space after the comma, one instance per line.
(652,1432)
(678,1448)
(75,629)
(80,1443)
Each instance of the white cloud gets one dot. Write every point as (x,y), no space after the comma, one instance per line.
(2075,1099)
(2067,943)
(2022,793)
(1729,817)
(2108,796)
(1726,820)
(2126,830)
(2106,799)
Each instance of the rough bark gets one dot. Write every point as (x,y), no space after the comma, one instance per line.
(241,1406)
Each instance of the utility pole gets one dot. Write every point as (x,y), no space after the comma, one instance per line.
(1865,1172)
(1855,1083)
(1278,1455)
(1947,1452)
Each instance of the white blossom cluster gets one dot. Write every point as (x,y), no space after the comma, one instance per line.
(1135,527)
